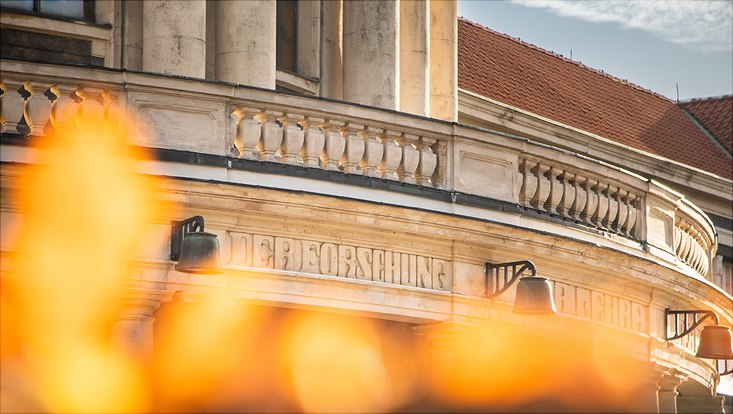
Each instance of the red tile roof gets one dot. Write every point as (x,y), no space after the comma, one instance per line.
(516,73)
(715,115)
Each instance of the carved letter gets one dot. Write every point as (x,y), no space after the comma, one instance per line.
(583,302)
(310,256)
(611,312)
(346,261)
(441,275)
(241,249)
(329,259)
(597,305)
(287,254)
(263,251)
(392,267)
(378,274)
(364,262)
(624,313)
(424,276)
(409,269)
(565,298)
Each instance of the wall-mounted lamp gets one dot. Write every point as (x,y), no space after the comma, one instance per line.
(195,250)
(715,340)
(534,293)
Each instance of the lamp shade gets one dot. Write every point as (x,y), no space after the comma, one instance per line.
(715,343)
(534,296)
(199,254)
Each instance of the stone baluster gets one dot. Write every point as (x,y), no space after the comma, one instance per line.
(630,224)
(89,101)
(109,106)
(334,145)
(272,137)
(623,211)
(591,201)
(543,187)
(581,196)
(428,161)
(249,131)
(11,106)
(63,104)
(354,150)
(410,158)
(565,179)
(610,218)
(293,138)
(392,155)
(525,190)
(556,191)
(440,149)
(373,152)
(37,108)
(26,91)
(314,141)
(601,191)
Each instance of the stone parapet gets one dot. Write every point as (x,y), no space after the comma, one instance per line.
(260,126)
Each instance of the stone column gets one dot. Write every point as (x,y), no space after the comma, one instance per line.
(414,57)
(132,331)
(332,49)
(246,34)
(444,60)
(174,37)
(371,56)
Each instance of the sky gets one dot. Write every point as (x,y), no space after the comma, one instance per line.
(658,45)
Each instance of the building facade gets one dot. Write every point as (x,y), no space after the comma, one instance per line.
(359,176)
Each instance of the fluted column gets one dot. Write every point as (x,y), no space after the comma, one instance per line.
(174,37)
(414,57)
(371,56)
(444,60)
(246,35)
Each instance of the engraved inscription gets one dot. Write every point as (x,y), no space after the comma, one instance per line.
(309,256)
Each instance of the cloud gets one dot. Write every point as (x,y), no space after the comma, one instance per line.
(701,25)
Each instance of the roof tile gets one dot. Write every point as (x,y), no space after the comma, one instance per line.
(522,75)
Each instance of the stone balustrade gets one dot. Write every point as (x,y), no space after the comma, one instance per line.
(580,196)
(693,240)
(263,126)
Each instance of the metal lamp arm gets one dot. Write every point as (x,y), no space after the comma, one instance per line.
(494,271)
(688,326)
(181,228)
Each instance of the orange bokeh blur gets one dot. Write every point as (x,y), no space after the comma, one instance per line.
(84,210)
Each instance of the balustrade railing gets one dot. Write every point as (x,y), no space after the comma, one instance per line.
(579,196)
(330,142)
(263,126)
(693,242)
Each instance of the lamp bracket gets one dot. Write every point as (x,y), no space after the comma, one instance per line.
(181,228)
(688,324)
(496,284)
(726,370)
